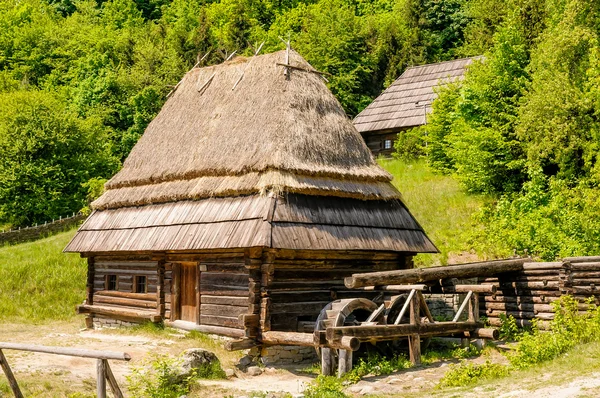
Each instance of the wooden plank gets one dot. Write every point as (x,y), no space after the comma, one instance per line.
(391,332)
(12,381)
(127,302)
(242,344)
(210,309)
(112,381)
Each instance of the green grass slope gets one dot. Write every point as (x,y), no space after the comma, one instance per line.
(38,282)
(444,210)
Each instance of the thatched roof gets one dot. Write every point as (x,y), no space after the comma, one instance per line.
(406,101)
(274,162)
(269,133)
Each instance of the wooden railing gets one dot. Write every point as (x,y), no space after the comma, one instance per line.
(103,371)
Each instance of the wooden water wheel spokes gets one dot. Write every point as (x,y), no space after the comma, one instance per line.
(346,312)
(397,312)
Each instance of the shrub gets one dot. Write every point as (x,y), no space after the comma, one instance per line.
(468,373)
(411,144)
(163,379)
(325,387)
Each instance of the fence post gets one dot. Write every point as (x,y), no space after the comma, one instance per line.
(10,376)
(100,379)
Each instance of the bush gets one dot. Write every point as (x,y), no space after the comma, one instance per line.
(468,373)
(325,387)
(411,144)
(163,379)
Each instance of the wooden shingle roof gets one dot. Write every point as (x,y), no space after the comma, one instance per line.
(406,101)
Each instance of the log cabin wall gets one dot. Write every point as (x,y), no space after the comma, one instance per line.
(222,282)
(303,282)
(121,291)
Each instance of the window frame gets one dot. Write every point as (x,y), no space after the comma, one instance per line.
(385,143)
(136,283)
(107,282)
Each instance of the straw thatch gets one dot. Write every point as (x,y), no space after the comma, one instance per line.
(405,102)
(269,133)
(273,163)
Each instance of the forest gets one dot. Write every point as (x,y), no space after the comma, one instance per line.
(81,79)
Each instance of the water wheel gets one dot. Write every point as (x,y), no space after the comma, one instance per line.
(346,312)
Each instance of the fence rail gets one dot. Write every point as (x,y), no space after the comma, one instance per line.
(103,371)
(24,234)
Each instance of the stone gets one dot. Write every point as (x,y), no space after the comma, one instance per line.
(254,371)
(229,373)
(245,361)
(366,390)
(193,359)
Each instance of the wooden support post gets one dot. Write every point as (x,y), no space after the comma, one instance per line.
(176,292)
(474,308)
(415,339)
(258,308)
(112,381)
(405,307)
(198,291)
(10,376)
(100,378)
(90,282)
(327,361)
(344,362)
(160,289)
(425,307)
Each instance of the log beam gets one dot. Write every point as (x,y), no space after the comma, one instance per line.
(420,275)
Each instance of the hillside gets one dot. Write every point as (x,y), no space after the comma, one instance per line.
(445,211)
(38,282)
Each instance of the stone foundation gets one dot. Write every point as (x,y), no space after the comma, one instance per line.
(100,322)
(283,355)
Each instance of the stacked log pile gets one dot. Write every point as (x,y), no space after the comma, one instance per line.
(529,293)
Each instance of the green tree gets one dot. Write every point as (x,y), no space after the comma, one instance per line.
(47,155)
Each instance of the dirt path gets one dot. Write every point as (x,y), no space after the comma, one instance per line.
(56,376)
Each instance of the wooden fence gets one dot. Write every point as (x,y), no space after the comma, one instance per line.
(103,371)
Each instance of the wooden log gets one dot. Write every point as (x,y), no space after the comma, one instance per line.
(128,295)
(126,302)
(591,266)
(414,340)
(518,307)
(344,362)
(327,361)
(12,381)
(420,275)
(584,274)
(112,381)
(225,300)
(100,379)
(583,259)
(544,325)
(547,316)
(210,329)
(241,344)
(391,332)
(397,288)
(73,352)
(489,289)
(555,265)
(518,299)
(287,338)
(119,312)
(484,333)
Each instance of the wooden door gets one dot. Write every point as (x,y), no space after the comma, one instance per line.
(188,291)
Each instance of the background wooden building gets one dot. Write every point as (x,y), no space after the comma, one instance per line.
(244,205)
(405,103)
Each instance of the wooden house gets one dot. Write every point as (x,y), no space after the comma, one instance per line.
(243,206)
(405,103)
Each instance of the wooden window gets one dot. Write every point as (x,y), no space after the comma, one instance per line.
(387,144)
(140,285)
(111,282)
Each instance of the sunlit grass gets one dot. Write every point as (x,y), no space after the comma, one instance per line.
(443,209)
(38,282)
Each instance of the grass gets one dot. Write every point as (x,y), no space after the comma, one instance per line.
(38,282)
(444,210)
